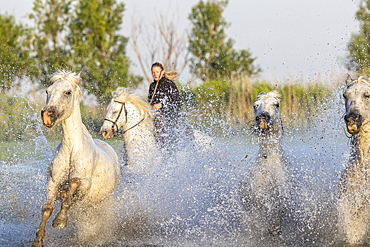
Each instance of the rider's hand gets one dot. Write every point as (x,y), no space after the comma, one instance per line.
(157,106)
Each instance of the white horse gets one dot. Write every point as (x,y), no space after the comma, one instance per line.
(264,190)
(135,117)
(82,169)
(354,186)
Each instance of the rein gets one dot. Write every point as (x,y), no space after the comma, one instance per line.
(123,106)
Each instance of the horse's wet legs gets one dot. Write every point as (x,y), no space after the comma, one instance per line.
(47,209)
(60,220)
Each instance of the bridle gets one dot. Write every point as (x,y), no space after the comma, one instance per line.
(123,107)
(359,80)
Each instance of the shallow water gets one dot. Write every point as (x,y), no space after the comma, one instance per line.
(189,200)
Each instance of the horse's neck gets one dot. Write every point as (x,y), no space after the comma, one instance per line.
(361,146)
(270,143)
(73,129)
(139,135)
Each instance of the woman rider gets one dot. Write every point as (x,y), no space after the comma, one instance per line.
(165,99)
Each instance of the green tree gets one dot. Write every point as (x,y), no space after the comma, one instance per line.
(51,47)
(82,35)
(99,51)
(359,45)
(213,55)
(14,51)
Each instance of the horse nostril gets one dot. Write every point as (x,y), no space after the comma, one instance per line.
(265,116)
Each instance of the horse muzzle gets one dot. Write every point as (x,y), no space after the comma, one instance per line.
(49,116)
(106,133)
(353,122)
(262,121)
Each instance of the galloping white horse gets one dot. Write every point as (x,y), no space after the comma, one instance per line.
(82,169)
(135,117)
(354,186)
(265,188)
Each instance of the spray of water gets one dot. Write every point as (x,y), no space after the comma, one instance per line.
(191,197)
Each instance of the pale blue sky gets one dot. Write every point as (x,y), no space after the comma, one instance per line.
(288,37)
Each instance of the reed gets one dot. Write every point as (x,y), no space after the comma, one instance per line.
(229,104)
(209,106)
(20,119)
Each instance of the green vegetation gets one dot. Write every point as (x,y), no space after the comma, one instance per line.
(83,35)
(359,44)
(213,104)
(213,56)
(14,51)
(230,103)
(79,34)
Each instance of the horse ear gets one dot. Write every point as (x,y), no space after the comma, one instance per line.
(348,80)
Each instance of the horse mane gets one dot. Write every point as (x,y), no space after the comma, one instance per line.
(273,94)
(122,94)
(72,77)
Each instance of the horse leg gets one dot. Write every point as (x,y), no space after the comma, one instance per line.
(354,220)
(47,209)
(60,220)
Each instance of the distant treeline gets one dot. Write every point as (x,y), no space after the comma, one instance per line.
(213,104)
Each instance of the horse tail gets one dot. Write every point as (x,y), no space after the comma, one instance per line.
(171,75)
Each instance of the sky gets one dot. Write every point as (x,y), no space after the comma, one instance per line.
(290,38)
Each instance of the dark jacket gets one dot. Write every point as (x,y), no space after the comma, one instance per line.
(167,94)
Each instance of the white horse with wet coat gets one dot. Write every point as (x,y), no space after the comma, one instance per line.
(354,186)
(264,189)
(135,117)
(83,171)
(140,149)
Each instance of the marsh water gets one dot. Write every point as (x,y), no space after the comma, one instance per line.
(190,199)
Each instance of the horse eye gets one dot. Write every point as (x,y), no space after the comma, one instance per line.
(367,94)
(277,104)
(68,93)
(46,91)
(254,106)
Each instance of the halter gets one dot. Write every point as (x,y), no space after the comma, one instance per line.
(359,80)
(123,106)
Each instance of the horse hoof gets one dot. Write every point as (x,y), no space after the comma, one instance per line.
(38,243)
(60,221)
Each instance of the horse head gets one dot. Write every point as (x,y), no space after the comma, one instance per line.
(125,111)
(61,97)
(267,112)
(357,102)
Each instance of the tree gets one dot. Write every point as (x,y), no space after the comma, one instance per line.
(359,45)
(98,50)
(82,35)
(166,44)
(51,46)
(213,55)
(14,54)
